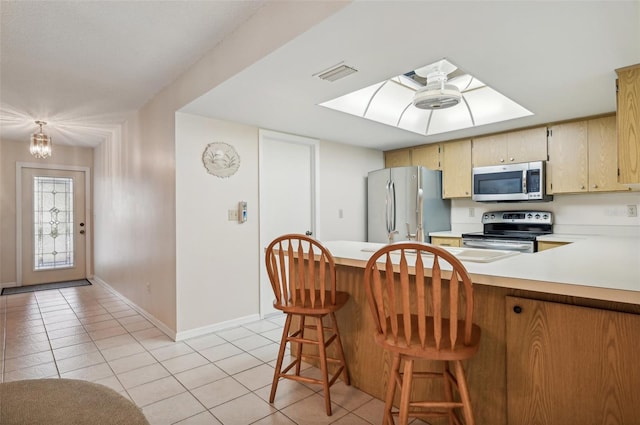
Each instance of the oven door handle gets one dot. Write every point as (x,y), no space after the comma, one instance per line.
(496,245)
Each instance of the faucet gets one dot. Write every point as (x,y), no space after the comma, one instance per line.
(418,236)
(410,235)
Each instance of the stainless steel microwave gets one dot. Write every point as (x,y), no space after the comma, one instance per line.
(510,182)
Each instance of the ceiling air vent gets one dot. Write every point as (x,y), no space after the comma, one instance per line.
(336,72)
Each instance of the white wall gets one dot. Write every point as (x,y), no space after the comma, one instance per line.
(598,213)
(135,170)
(343,187)
(217,260)
(217,276)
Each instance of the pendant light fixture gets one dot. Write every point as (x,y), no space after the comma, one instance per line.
(40,143)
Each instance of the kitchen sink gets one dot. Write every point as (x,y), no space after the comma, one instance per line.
(469,254)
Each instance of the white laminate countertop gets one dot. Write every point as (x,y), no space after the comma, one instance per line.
(598,267)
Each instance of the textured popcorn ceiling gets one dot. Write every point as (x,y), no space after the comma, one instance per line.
(82,65)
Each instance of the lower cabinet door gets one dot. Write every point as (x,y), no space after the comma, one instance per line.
(571,365)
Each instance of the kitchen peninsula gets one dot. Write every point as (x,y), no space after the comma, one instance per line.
(559,332)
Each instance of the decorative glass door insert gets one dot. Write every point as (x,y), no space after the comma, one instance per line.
(53,223)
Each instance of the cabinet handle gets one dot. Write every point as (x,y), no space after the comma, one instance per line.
(511,159)
(501,159)
(517,309)
(582,187)
(595,186)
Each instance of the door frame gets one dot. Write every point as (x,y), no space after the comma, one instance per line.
(87,209)
(313,144)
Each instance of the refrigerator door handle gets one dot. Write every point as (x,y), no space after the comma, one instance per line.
(392,193)
(387,206)
(419,216)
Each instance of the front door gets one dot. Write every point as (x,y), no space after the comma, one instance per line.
(53,225)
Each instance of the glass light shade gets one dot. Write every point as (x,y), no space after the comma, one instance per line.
(40,145)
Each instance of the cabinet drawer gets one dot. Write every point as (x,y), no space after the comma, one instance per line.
(446,241)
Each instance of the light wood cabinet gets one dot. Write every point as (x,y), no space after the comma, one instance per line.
(570,365)
(628,124)
(427,156)
(397,158)
(603,155)
(456,169)
(446,241)
(544,245)
(583,157)
(567,168)
(512,147)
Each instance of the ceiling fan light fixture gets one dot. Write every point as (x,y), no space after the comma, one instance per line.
(437,94)
(40,143)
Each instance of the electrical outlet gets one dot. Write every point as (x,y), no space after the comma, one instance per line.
(632,210)
(472,212)
(148,286)
(233,215)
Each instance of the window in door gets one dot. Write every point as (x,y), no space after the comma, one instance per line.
(53,223)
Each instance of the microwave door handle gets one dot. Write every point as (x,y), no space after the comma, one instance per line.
(524,182)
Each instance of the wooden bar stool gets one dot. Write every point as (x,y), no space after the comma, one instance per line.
(423,318)
(303,277)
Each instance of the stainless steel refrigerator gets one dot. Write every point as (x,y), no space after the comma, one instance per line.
(405,203)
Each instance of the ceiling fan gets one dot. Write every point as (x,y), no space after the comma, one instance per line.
(437,92)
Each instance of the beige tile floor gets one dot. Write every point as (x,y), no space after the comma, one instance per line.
(221,378)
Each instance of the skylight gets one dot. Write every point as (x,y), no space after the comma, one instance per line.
(391,102)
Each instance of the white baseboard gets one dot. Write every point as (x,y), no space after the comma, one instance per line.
(8,285)
(191,333)
(177,336)
(150,317)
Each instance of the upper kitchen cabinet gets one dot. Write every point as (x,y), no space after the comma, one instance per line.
(583,157)
(513,147)
(456,169)
(629,124)
(567,168)
(603,155)
(397,158)
(427,156)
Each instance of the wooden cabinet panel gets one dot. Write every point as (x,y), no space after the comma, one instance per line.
(427,156)
(456,169)
(527,145)
(544,245)
(446,241)
(629,124)
(567,169)
(513,147)
(603,155)
(571,365)
(397,158)
(489,150)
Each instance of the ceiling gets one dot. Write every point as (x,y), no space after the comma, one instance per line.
(102,60)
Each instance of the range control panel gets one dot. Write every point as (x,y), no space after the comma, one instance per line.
(524,217)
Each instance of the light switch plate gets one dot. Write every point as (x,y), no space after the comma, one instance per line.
(233,215)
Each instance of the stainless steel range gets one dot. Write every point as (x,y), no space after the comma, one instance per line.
(510,230)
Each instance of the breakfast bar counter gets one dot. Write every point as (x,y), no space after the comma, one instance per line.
(593,274)
(598,267)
